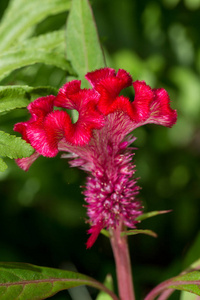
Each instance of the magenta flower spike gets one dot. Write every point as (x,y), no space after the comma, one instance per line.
(99,142)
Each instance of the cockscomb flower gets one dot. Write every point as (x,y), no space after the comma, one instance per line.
(99,142)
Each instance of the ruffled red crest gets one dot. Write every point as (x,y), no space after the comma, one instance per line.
(148,106)
(47,126)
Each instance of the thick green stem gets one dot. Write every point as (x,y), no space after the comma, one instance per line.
(123,265)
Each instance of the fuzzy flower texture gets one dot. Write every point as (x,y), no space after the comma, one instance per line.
(99,141)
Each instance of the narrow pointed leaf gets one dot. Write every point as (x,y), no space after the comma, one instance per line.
(105,232)
(16,96)
(152,214)
(189,282)
(21,15)
(3,165)
(193,253)
(17,59)
(139,231)
(25,281)
(83,46)
(14,147)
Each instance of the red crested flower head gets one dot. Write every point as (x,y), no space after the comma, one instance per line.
(99,141)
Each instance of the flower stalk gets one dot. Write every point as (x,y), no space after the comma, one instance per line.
(123,265)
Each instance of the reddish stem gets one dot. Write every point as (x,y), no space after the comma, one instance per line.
(123,266)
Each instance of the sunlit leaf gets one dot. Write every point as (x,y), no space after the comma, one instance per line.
(48,41)
(3,165)
(14,147)
(25,281)
(12,97)
(83,46)
(109,284)
(187,296)
(17,59)
(23,14)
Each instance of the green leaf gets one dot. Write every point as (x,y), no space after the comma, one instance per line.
(48,41)
(194,265)
(17,96)
(3,165)
(25,281)
(193,253)
(188,296)
(109,284)
(105,232)
(24,57)
(14,147)
(83,46)
(151,214)
(187,281)
(21,15)
(138,231)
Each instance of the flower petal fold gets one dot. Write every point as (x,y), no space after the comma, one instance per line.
(63,98)
(99,75)
(109,84)
(114,84)
(26,162)
(160,111)
(46,127)
(152,106)
(85,102)
(141,105)
(41,106)
(44,136)
(21,128)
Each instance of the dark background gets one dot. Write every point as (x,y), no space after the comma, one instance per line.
(42,220)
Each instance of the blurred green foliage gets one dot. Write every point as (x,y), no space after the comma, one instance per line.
(41,211)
